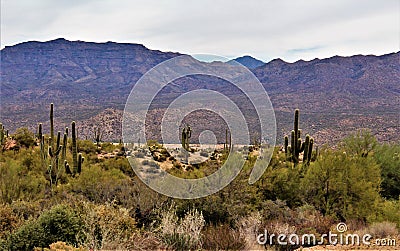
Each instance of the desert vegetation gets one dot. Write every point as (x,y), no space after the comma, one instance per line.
(59,192)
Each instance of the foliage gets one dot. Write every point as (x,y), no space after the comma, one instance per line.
(383,229)
(60,246)
(107,206)
(99,185)
(9,221)
(121,164)
(341,185)
(24,137)
(17,182)
(106,226)
(57,224)
(388,157)
(223,237)
(183,233)
(360,143)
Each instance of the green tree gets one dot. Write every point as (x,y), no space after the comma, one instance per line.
(342,185)
(360,143)
(388,157)
(24,137)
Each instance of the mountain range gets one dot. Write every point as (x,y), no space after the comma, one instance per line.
(87,81)
(248,61)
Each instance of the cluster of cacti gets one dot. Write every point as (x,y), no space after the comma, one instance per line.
(57,153)
(297,146)
(228,144)
(186,134)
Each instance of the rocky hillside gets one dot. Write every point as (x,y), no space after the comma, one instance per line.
(336,95)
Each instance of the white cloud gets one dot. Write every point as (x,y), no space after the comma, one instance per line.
(264,29)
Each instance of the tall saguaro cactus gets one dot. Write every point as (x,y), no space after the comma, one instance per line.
(65,142)
(77,159)
(228,140)
(297,146)
(51,124)
(74,148)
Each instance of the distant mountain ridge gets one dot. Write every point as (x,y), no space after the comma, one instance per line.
(248,61)
(335,95)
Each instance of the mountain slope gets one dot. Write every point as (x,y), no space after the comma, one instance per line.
(335,95)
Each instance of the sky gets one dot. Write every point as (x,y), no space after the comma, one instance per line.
(265,29)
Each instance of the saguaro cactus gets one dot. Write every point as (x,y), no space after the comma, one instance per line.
(77,159)
(51,124)
(228,140)
(65,142)
(74,148)
(186,135)
(3,136)
(297,146)
(98,135)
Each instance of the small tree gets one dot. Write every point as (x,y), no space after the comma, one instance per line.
(24,137)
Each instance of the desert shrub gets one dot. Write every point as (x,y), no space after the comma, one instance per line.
(118,163)
(308,219)
(99,185)
(282,183)
(108,147)
(388,210)
(144,240)
(248,227)
(60,246)
(106,226)
(9,221)
(26,210)
(57,224)
(213,209)
(24,137)
(277,227)
(383,230)
(16,182)
(183,233)
(87,147)
(223,237)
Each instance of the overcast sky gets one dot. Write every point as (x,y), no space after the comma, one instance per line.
(265,29)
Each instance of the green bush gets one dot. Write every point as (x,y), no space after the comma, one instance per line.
(17,182)
(57,224)
(388,157)
(24,137)
(99,185)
